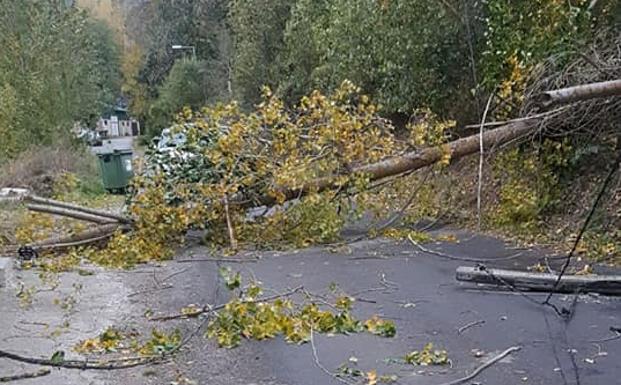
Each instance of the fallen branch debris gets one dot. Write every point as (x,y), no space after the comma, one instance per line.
(617,335)
(320,365)
(91,233)
(464,259)
(126,363)
(603,284)
(54,203)
(486,365)
(225,260)
(24,376)
(87,237)
(67,245)
(470,325)
(64,212)
(211,309)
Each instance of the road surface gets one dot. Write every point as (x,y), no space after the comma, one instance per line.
(391,278)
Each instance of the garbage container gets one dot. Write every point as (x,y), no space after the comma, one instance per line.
(116,169)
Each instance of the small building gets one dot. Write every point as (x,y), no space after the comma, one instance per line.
(117,122)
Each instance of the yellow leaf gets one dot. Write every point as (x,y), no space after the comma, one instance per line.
(372,377)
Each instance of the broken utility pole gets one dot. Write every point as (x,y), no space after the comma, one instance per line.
(522,280)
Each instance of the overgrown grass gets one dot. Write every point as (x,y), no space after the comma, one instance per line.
(43,169)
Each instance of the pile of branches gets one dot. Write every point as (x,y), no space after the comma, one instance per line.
(587,119)
(104,225)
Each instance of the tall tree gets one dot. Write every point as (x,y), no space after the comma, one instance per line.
(58,67)
(257,27)
(182,88)
(154,27)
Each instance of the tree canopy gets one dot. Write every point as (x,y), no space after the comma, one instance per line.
(58,67)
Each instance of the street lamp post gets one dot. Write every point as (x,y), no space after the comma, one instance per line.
(182,47)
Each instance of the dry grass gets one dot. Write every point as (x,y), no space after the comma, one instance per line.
(38,168)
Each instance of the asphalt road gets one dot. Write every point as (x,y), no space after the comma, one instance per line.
(392,279)
(416,290)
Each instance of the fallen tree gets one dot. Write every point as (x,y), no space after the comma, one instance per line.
(414,160)
(328,149)
(87,237)
(581,93)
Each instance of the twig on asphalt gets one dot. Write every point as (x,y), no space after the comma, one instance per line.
(131,362)
(320,365)
(24,376)
(153,289)
(111,364)
(481,368)
(463,259)
(469,325)
(388,284)
(229,260)
(615,337)
(387,287)
(174,275)
(319,298)
(368,257)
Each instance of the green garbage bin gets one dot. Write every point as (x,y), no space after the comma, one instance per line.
(116,169)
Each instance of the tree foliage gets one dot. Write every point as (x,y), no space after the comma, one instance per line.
(58,67)
(183,87)
(232,158)
(406,54)
(153,28)
(257,28)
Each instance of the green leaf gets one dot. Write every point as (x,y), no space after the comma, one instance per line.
(231,280)
(58,357)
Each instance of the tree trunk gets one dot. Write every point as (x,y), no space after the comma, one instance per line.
(580,93)
(411,161)
(70,213)
(99,213)
(85,235)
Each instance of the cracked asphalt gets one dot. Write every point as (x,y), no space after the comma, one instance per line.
(391,278)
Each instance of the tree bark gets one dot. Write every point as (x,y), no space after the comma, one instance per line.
(70,213)
(70,206)
(580,93)
(86,237)
(92,233)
